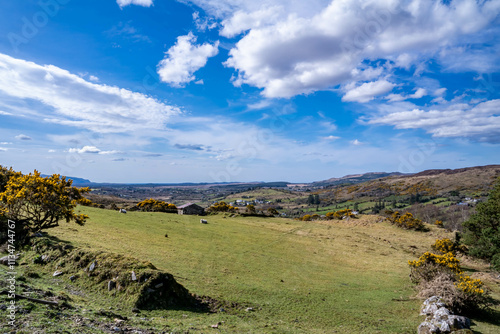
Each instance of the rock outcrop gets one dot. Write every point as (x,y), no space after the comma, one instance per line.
(440,320)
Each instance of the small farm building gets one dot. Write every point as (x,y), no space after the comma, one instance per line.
(190,209)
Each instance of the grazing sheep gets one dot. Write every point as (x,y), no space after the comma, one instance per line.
(203,221)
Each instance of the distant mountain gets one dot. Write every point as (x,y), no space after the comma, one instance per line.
(77,181)
(471,181)
(355,178)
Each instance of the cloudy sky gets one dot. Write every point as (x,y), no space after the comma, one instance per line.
(236,90)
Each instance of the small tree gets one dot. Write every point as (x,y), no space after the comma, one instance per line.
(482,230)
(310,200)
(316,199)
(36,203)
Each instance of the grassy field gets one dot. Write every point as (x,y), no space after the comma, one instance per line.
(299,277)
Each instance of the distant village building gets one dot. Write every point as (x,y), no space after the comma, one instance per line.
(190,209)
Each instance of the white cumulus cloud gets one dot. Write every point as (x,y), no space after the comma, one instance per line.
(480,122)
(70,100)
(287,52)
(144,3)
(185,58)
(23,137)
(90,149)
(368,91)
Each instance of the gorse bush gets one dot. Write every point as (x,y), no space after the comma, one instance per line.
(448,246)
(430,265)
(36,203)
(441,275)
(153,205)
(444,246)
(340,214)
(221,207)
(5,175)
(307,218)
(469,285)
(466,295)
(406,221)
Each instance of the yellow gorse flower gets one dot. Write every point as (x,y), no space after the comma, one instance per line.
(447,260)
(470,285)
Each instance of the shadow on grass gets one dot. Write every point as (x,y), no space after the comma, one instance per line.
(488,315)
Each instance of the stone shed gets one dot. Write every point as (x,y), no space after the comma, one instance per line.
(190,209)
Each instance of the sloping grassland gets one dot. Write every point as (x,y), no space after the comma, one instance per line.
(297,277)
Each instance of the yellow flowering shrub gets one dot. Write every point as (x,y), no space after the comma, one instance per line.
(470,285)
(36,203)
(444,246)
(406,221)
(340,214)
(308,217)
(441,275)
(305,218)
(153,205)
(429,265)
(221,207)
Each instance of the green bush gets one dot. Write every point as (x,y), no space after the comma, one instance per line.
(482,230)
(495,262)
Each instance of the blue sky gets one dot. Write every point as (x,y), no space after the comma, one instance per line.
(267,90)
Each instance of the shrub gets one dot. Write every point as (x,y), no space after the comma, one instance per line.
(310,217)
(482,230)
(461,294)
(340,214)
(406,221)
(153,205)
(469,285)
(221,207)
(448,246)
(36,203)
(444,246)
(306,218)
(5,175)
(441,275)
(495,262)
(430,265)
(251,209)
(273,212)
